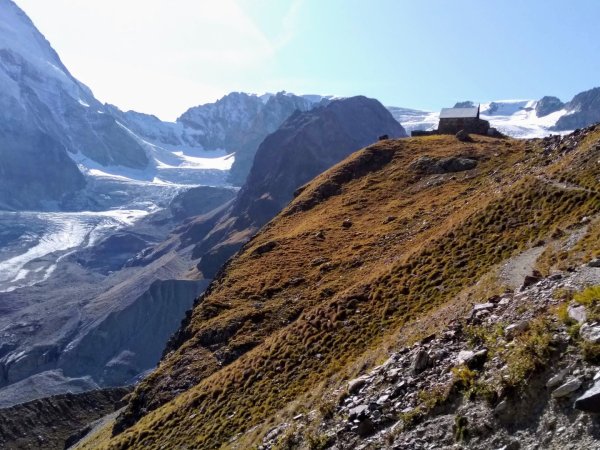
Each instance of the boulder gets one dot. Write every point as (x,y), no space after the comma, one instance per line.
(365,428)
(530,280)
(516,328)
(471,359)
(420,361)
(594,263)
(265,248)
(355,385)
(556,380)
(463,136)
(568,388)
(577,313)
(481,309)
(590,333)
(482,306)
(358,412)
(464,356)
(590,400)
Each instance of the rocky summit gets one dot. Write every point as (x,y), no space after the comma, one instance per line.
(399,301)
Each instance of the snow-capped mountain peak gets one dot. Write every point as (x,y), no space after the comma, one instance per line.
(516,118)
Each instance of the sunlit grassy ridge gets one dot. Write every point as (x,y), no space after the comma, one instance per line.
(280,321)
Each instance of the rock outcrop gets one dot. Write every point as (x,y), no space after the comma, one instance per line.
(547,105)
(239,122)
(49,423)
(583,111)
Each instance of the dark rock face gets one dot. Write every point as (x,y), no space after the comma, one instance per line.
(239,122)
(199,200)
(49,423)
(584,110)
(590,400)
(34,168)
(548,105)
(131,340)
(113,252)
(307,144)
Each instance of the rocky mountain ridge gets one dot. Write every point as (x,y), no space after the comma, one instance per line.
(305,145)
(392,255)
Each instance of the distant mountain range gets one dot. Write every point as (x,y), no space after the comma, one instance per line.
(54,134)
(519,118)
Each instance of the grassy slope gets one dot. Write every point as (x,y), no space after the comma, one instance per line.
(295,320)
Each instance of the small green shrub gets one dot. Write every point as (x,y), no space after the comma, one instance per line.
(589,297)
(573,330)
(460,428)
(464,378)
(530,353)
(411,418)
(590,352)
(562,312)
(433,397)
(317,441)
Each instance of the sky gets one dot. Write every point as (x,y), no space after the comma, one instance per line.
(163,56)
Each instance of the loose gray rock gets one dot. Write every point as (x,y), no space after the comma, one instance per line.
(577,313)
(590,400)
(471,359)
(516,328)
(383,399)
(501,407)
(355,385)
(481,307)
(594,263)
(420,361)
(464,356)
(358,412)
(590,333)
(557,379)
(567,388)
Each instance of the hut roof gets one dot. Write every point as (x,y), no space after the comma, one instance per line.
(459,113)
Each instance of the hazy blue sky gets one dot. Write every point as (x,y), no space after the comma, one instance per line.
(163,56)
